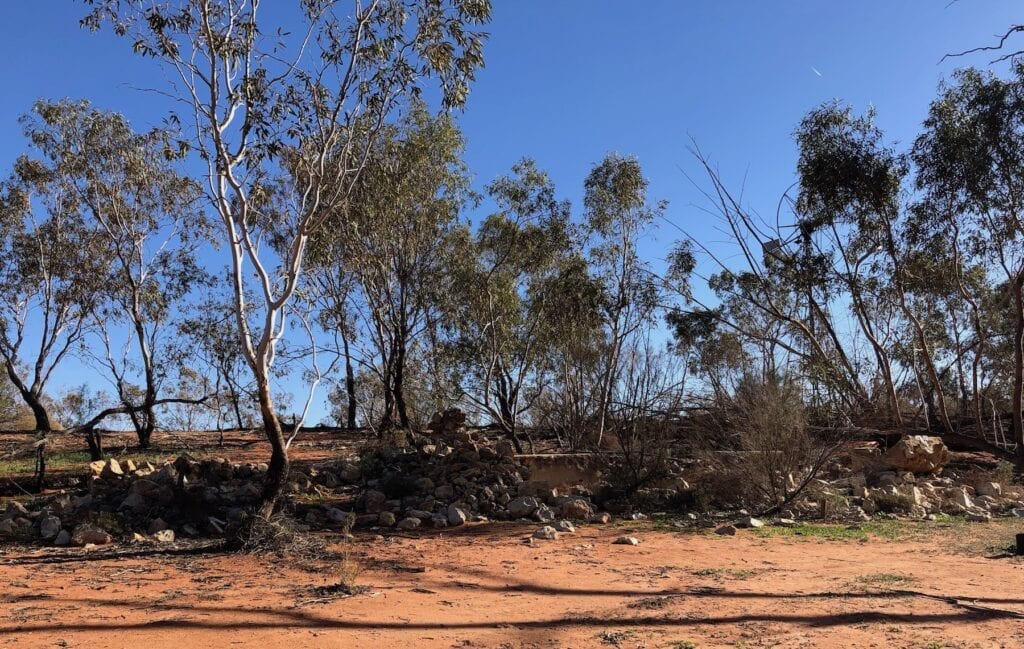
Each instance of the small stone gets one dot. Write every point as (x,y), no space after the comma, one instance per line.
(49,527)
(96,468)
(15,510)
(156,525)
(726,530)
(63,538)
(409,523)
(786,522)
(546,533)
(374,501)
(522,506)
(8,528)
(456,516)
(565,526)
(112,470)
(577,509)
(163,536)
(544,514)
(749,521)
(979,517)
(386,519)
(993,489)
(135,503)
(602,518)
(86,534)
(626,540)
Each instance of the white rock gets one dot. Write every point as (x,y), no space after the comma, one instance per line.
(626,540)
(546,533)
(565,526)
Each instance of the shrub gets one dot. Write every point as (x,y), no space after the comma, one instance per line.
(773,455)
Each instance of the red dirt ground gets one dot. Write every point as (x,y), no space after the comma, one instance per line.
(481,586)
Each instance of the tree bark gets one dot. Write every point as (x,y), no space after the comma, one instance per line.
(277,473)
(42,417)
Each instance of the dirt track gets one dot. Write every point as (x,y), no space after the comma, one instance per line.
(480,586)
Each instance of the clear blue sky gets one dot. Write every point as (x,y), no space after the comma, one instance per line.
(570,80)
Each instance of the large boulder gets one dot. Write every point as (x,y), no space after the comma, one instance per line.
(917,454)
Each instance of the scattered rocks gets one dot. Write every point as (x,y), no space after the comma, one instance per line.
(626,540)
(546,533)
(749,521)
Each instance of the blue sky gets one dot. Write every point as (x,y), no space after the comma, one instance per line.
(568,81)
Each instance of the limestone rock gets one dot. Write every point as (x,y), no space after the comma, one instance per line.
(565,526)
(112,470)
(546,533)
(917,454)
(163,536)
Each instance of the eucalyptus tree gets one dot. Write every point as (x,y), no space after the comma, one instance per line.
(618,213)
(395,239)
(275,111)
(50,277)
(969,161)
(506,302)
(211,333)
(142,214)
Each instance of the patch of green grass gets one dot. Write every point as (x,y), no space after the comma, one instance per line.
(885,529)
(615,638)
(725,573)
(70,460)
(884,578)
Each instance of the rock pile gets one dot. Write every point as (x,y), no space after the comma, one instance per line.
(908,480)
(125,500)
(453,477)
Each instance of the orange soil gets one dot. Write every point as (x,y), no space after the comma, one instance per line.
(481,586)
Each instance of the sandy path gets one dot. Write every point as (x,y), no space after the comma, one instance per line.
(483,587)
